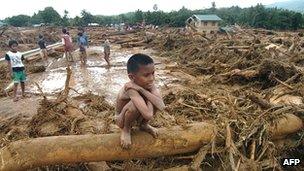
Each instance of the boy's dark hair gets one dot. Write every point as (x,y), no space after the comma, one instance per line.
(79,34)
(81,29)
(64,31)
(136,60)
(40,36)
(11,42)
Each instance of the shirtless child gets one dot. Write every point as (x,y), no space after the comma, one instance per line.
(139,99)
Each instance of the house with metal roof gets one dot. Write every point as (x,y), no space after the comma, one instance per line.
(208,24)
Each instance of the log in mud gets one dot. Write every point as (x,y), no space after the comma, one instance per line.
(25,154)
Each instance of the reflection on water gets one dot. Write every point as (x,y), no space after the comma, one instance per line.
(95,77)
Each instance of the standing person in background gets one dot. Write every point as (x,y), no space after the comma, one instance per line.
(16,67)
(43,51)
(85,36)
(68,47)
(106,49)
(82,48)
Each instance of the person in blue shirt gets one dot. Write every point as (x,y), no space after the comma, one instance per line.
(85,36)
(81,41)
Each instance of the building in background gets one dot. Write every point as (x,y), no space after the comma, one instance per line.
(208,24)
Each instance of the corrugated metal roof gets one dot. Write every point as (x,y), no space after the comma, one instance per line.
(208,17)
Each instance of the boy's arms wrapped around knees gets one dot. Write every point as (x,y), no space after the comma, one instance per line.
(146,110)
(154,96)
(129,108)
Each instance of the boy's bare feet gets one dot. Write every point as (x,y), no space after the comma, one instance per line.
(150,129)
(125,139)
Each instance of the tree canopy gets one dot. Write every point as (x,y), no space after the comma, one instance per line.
(256,16)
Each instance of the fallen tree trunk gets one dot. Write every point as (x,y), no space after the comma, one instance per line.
(238,47)
(122,32)
(133,44)
(128,40)
(24,154)
(286,125)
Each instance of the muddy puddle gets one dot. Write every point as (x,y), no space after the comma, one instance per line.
(96,77)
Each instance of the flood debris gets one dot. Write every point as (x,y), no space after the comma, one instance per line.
(247,83)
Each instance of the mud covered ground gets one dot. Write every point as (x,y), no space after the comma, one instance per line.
(242,82)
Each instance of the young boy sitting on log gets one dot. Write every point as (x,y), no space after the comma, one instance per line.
(139,99)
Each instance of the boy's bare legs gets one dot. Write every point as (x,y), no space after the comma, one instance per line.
(23,88)
(107,56)
(124,120)
(81,58)
(131,114)
(15,92)
(84,55)
(71,56)
(66,56)
(45,57)
(120,117)
(148,128)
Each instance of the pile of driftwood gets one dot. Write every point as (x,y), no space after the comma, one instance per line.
(245,80)
(241,108)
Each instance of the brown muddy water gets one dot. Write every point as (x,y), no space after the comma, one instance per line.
(96,77)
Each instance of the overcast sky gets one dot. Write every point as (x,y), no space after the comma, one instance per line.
(111,7)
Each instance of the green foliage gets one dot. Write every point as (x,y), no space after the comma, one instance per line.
(86,17)
(138,17)
(50,16)
(18,21)
(65,19)
(157,18)
(36,19)
(257,17)
(77,21)
(178,18)
(297,20)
